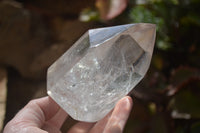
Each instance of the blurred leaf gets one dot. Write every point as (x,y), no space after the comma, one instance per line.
(139,118)
(141,2)
(179,130)
(152,87)
(184,2)
(182,75)
(155,1)
(88,15)
(140,14)
(176,2)
(152,108)
(157,61)
(194,56)
(191,19)
(195,1)
(158,124)
(163,45)
(186,103)
(136,126)
(195,128)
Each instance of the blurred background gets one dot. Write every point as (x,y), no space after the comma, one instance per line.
(34,33)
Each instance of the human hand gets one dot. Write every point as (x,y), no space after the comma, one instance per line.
(45,116)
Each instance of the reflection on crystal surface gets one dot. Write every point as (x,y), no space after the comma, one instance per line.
(100,68)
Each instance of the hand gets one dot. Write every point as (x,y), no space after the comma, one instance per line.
(45,116)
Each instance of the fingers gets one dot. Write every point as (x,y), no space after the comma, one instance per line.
(31,115)
(100,125)
(45,110)
(47,105)
(50,129)
(119,116)
(51,111)
(37,111)
(25,130)
(115,121)
(81,127)
(58,119)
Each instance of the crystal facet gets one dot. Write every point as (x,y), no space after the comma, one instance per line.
(100,68)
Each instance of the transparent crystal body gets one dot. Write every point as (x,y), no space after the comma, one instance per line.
(103,66)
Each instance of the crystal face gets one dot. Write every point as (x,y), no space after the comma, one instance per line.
(103,66)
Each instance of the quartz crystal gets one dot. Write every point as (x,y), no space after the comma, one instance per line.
(103,66)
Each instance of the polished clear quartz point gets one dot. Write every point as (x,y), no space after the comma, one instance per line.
(103,66)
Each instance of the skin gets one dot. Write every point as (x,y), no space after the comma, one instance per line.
(45,116)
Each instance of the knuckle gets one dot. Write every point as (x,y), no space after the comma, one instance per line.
(32,103)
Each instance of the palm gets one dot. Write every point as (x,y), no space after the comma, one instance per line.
(44,115)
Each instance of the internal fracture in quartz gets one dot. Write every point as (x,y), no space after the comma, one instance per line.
(103,66)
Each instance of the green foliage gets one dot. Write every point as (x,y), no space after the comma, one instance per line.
(195,128)
(170,16)
(168,98)
(88,15)
(141,14)
(171,89)
(186,102)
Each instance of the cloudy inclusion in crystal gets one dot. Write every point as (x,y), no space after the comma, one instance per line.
(102,67)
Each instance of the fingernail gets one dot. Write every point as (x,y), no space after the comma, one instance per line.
(126,102)
(127,105)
